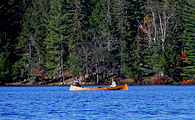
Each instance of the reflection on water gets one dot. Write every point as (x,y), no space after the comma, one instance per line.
(57,103)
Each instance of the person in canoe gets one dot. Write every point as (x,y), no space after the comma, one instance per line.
(114,84)
(77,83)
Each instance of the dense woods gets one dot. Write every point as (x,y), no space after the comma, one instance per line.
(43,40)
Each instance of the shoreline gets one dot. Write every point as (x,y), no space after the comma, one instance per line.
(146,82)
(59,84)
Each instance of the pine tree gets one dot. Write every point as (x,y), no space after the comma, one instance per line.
(131,59)
(10,25)
(103,58)
(55,41)
(171,64)
(4,67)
(76,17)
(119,29)
(187,11)
(31,38)
(113,26)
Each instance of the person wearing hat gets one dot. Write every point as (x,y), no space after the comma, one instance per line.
(114,84)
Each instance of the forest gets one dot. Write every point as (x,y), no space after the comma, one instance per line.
(55,40)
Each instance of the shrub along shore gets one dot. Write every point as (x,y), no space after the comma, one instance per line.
(120,80)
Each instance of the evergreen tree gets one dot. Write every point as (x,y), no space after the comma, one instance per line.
(133,38)
(103,60)
(187,55)
(119,29)
(131,59)
(114,27)
(76,17)
(55,42)
(31,38)
(10,26)
(4,67)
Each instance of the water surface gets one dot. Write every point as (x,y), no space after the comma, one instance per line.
(58,103)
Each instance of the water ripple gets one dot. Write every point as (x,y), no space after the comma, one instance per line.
(57,103)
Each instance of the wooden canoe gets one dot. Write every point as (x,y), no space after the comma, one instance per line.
(119,87)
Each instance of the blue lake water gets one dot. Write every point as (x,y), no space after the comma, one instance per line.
(58,103)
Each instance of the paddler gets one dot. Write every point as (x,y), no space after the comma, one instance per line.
(114,84)
(77,83)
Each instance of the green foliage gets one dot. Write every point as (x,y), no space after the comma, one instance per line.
(186,16)
(10,26)
(133,38)
(4,69)
(52,54)
(55,41)
(76,16)
(132,49)
(158,41)
(30,47)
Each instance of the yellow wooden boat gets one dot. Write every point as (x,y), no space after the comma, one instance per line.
(119,87)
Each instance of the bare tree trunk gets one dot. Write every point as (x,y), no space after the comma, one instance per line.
(121,20)
(154,25)
(86,59)
(85,51)
(31,38)
(161,15)
(62,68)
(164,19)
(97,74)
(29,60)
(162,33)
(108,12)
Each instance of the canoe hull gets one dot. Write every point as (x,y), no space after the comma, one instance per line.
(119,87)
